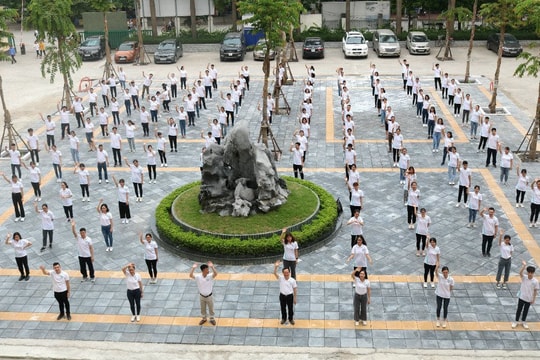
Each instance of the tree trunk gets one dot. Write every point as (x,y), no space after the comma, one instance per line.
(234,14)
(153,18)
(62,60)
(398,16)
(534,135)
(348,15)
(193,17)
(264,121)
(493,102)
(471,42)
(108,60)
(449,28)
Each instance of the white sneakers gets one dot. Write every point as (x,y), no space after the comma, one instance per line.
(524,324)
(138,318)
(133,318)
(437,324)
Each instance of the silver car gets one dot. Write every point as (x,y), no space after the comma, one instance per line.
(417,43)
(259,51)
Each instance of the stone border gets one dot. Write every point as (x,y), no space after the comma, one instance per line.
(267,234)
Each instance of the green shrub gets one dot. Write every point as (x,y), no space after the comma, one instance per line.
(322,225)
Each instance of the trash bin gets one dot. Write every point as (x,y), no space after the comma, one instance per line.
(23,49)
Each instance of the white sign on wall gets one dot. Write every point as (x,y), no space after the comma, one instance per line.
(174,8)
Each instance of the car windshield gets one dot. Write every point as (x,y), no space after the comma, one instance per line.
(232,42)
(419,38)
(313,42)
(355,40)
(510,39)
(91,42)
(166,46)
(125,47)
(388,39)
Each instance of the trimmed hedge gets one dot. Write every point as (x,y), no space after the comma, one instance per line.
(322,225)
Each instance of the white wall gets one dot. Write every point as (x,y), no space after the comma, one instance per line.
(309,20)
(360,10)
(173,8)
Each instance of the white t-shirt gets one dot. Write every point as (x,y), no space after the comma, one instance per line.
(413,197)
(506,160)
(361,287)
(150,250)
(123,193)
(474,200)
(66,197)
(522,183)
(356,197)
(493,141)
(527,288)
(431,255)
(488,227)
(205,284)
(83,176)
(356,227)
(105,219)
(464,175)
(443,286)
(422,224)
(19,247)
(59,280)
(132,281)
(360,255)
(83,246)
(47,219)
(34,174)
(506,250)
(289,251)
(286,286)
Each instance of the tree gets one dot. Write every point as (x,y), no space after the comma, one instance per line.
(52,20)
(273,18)
(153,18)
(501,14)
(234,13)
(105,6)
(399,12)
(531,66)
(6,15)
(471,40)
(348,15)
(193,18)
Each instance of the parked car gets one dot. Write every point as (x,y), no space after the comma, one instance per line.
(92,48)
(385,43)
(511,46)
(313,48)
(259,51)
(354,44)
(417,43)
(233,46)
(127,52)
(168,51)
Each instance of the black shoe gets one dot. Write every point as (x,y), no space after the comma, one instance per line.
(21,278)
(60,317)
(488,255)
(50,246)
(42,249)
(68,316)
(27,277)
(291,322)
(283,322)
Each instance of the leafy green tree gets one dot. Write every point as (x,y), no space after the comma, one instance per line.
(52,19)
(6,16)
(105,6)
(471,40)
(274,18)
(531,65)
(500,14)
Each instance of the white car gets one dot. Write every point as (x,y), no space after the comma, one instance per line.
(355,44)
(417,43)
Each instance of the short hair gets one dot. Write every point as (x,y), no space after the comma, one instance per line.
(56,263)
(82,229)
(531,269)
(203,267)
(465,162)
(445,268)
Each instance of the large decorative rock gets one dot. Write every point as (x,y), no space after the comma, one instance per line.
(240,177)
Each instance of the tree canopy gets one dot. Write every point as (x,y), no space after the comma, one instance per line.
(6,15)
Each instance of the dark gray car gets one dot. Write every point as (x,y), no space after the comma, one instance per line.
(511,45)
(233,46)
(168,51)
(92,48)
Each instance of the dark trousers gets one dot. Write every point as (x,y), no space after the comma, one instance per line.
(411,216)
(174,90)
(438,84)
(208,91)
(134,298)
(152,268)
(442,303)
(64,127)
(444,92)
(487,242)
(16,198)
(191,118)
(482,142)
(138,189)
(230,115)
(420,239)
(504,264)
(291,265)
(116,117)
(22,264)
(57,170)
(463,191)
(117,156)
(107,235)
(145,130)
(63,302)
(123,209)
(68,210)
(522,306)
(535,210)
(520,196)
(16,168)
(79,117)
(102,168)
(127,104)
(93,106)
(298,169)
(83,263)
(34,154)
(151,171)
(135,101)
(491,155)
(162,156)
(173,142)
(113,90)
(286,302)
(47,234)
(37,189)
(50,140)
(183,83)
(104,129)
(429,269)
(84,190)
(360,307)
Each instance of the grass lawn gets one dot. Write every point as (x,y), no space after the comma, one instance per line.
(301,203)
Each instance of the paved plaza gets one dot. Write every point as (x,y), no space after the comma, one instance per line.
(401,314)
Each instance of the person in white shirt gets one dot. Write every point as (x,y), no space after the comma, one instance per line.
(92,101)
(102,163)
(205,284)
(214,75)
(493,146)
(61,289)
(64,120)
(287,293)
(134,92)
(356,198)
(147,82)
(290,251)
(84,180)
(443,292)
(453,164)
(458,100)
(121,77)
(115,107)
(413,201)
(103,122)
(144,116)
(127,101)
(135,290)
(21,257)
(137,178)
(150,162)
(112,85)
(173,134)
(150,255)
(190,104)
(298,163)
(47,224)
(17,194)
(397,144)
(431,261)
(527,294)
(106,222)
(15,160)
(490,228)
(505,261)
(507,162)
(33,143)
(89,134)
(56,159)
(476,118)
(485,128)
(467,106)
(362,295)
(74,147)
(105,92)
(357,223)
(85,250)
(350,159)
(116,146)
(229,106)
(521,186)
(123,200)
(173,82)
(360,254)
(78,110)
(35,180)
(66,197)
(444,91)
(403,164)
(423,222)
(535,203)
(464,182)
(437,71)
(161,144)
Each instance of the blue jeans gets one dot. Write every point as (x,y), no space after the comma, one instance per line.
(504,174)
(436,140)
(419,106)
(223,130)
(383,116)
(430,127)
(472,215)
(153,115)
(102,167)
(57,170)
(474,128)
(107,235)
(74,155)
(424,116)
(451,173)
(183,127)
(402,174)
